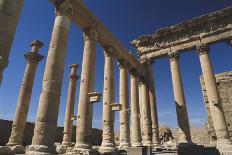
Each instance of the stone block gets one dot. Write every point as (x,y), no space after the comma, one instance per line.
(145,150)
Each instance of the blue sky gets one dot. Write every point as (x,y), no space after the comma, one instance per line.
(126,19)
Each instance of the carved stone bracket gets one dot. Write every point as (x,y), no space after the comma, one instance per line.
(33,57)
(116,107)
(95,97)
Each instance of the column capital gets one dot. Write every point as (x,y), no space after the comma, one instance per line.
(122,63)
(229,41)
(134,73)
(32,57)
(37,43)
(143,80)
(109,51)
(63,8)
(148,61)
(3,62)
(73,71)
(202,49)
(173,56)
(90,34)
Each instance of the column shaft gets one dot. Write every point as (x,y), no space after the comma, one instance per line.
(70,106)
(47,115)
(140,107)
(124,113)
(154,114)
(108,144)
(10,11)
(83,133)
(218,116)
(135,111)
(146,113)
(182,115)
(20,118)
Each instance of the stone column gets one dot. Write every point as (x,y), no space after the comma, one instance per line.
(108,144)
(70,106)
(181,110)
(218,116)
(47,114)
(83,131)
(140,107)
(135,113)
(20,118)
(153,106)
(146,114)
(124,101)
(10,11)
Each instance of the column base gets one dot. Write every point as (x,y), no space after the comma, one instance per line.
(147,143)
(61,149)
(39,150)
(107,148)
(18,149)
(123,146)
(81,148)
(136,144)
(225,149)
(5,150)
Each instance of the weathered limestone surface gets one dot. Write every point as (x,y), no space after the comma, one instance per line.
(224,86)
(146,115)
(70,105)
(47,114)
(136,137)
(10,11)
(208,29)
(108,143)
(181,110)
(154,114)
(125,112)
(20,117)
(84,117)
(216,109)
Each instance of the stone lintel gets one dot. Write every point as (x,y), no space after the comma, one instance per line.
(116,107)
(95,97)
(207,29)
(86,19)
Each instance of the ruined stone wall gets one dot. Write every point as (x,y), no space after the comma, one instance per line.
(5,130)
(224,83)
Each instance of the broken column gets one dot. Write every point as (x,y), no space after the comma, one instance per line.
(146,113)
(47,114)
(124,101)
(135,113)
(20,118)
(215,106)
(10,11)
(83,131)
(108,143)
(153,106)
(181,110)
(70,106)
